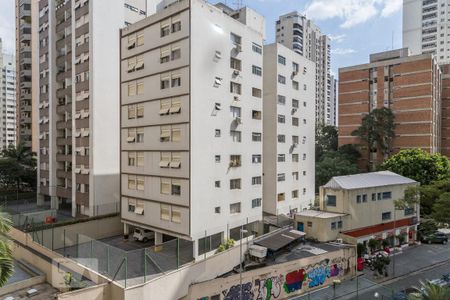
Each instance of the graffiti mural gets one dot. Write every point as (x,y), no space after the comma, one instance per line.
(268,288)
(234,292)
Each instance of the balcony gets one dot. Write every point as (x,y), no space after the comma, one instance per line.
(63,174)
(82,198)
(63,192)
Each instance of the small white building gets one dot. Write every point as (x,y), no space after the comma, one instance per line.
(361,207)
(289,123)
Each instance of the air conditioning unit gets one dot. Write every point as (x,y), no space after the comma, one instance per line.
(238,120)
(236,72)
(236,98)
(339,241)
(294,110)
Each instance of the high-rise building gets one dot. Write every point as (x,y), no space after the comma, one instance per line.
(191,122)
(25,127)
(298,33)
(426,27)
(7,99)
(288,130)
(78,63)
(409,85)
(445,110)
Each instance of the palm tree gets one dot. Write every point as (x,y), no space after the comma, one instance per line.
(430,291)
(6,258)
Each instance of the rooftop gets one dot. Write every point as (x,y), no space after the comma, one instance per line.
(319,214)
(367,180)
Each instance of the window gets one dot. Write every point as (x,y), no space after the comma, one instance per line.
(309,224)
(176,187)
(256,180)
(256,202)
(140,135)
(165,83)
(256,158)
(140,38)
(131,182)
(256,115)
(295,67)
(256,137)
(176,80)
(236,39)
(358,199)
(235,111)
(331,200)
(295,139)
(140,183)
(379,196)
(295,103)
(386,195)
(131,158)
(409,211)
(294,121)
(281,119)
(217,183)
(209,243)
(217,133)
(235,88)
(281,177)
(176,53)
(281,60)
(281,197)
(295,175)
(131,205)
(374,196)
(339,224)
(217,158)
(295,157)
(131,112)
(165,30)
(217,209)
(333,226)
(131,89)
(295,194)
(235,184)
(176,26)
(235,136)
(281,79)
(256,48)
(165,212)
(256,93)
(165,186)
(235,64)
(281,138)
(235,208)
(386,216)
(281,158)
(364,198)
(176,215)
(235,160)
(256,70)
(295,85)
(281,100)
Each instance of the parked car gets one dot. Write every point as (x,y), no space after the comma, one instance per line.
(143,235)
(437,237)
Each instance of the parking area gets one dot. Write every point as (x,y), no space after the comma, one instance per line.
(127,245)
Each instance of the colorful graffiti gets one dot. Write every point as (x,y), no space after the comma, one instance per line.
(268,287)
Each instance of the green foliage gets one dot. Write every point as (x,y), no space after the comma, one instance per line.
(441,209)
(333,164)
(373,244)
(350,151)
(377,130)
(326,140)
(228,243)
(429,291)
(419,165)
(360,249)
(17,168)
(401,239)
(6,257)
(385,243)
(426,227)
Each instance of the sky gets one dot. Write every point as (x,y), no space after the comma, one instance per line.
(356,27)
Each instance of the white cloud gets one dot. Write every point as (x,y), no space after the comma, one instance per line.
(351,12)
(342,51)
(337,38)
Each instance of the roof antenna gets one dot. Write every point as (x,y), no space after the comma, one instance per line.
(238,4)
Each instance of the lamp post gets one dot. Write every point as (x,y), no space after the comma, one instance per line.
(335,282)
(242,231)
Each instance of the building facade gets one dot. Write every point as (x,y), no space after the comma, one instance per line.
(190,166)
(7,99)
(360,207)
(24,75)
(334,101)
(298,33)
(288,131)
(79,81)
(426,26)
(409,85)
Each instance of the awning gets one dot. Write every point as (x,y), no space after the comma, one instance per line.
(280,239)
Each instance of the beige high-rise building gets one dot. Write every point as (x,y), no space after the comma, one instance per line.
(78,120)
(300,34)
(191,122)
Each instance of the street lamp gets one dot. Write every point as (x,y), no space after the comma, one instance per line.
(377,295)
(242,231)
(335,282)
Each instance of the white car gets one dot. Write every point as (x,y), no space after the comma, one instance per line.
(143,235)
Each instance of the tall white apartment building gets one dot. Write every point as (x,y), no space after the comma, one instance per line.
(191,122)
(298,33)
(289,129)
(7,99)
(79,86)
(426,28)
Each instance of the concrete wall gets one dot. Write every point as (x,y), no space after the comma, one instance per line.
(282,281)
(11,288)
(175,285)
(98,292)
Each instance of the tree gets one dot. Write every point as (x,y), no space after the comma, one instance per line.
(373,244)
(441,209)
(17,167)
(333,164)
(419,165)
(6,258)
(350,151)
(377,130)
(430,291)
(426,227)
(326,140)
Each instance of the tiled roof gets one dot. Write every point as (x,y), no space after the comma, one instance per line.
(367,180)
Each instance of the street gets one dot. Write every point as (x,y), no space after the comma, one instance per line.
(414,264)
